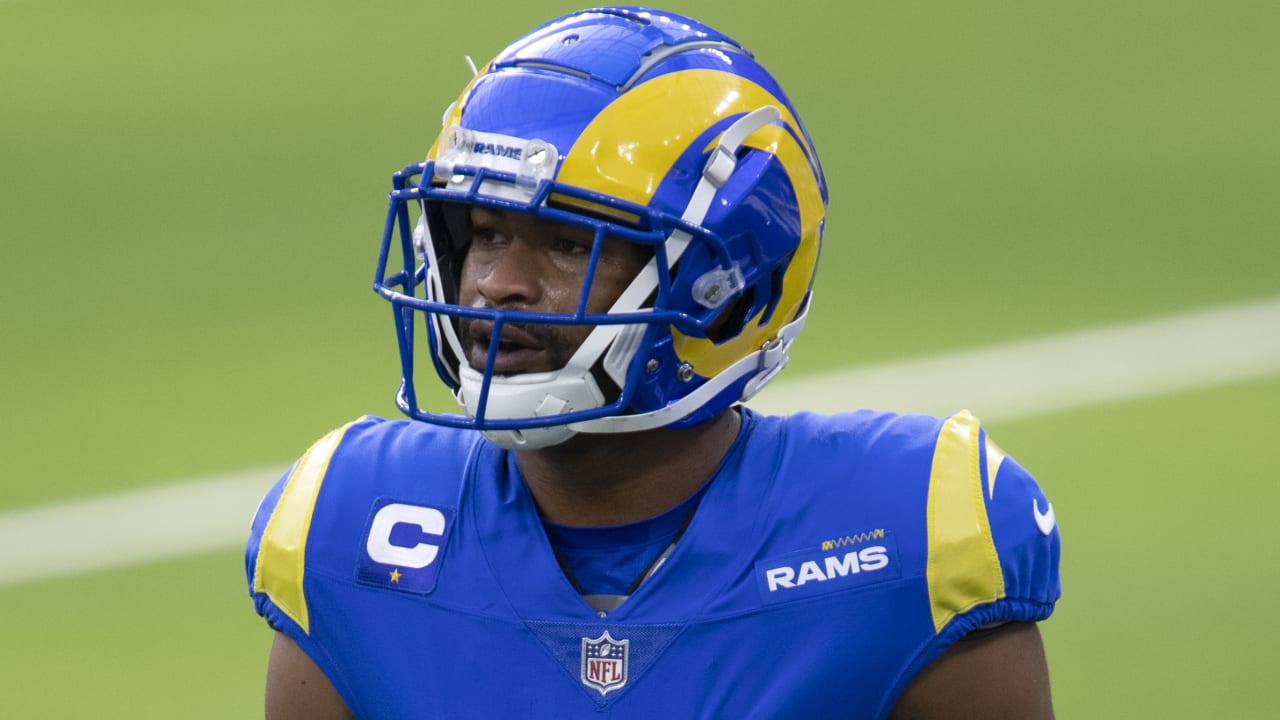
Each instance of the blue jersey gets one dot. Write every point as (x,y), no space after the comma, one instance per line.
(830,559)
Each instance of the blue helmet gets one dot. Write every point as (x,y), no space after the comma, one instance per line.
(640,125)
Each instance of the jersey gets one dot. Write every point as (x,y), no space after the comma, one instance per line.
(830,559)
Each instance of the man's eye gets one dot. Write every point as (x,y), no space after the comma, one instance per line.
(572,247)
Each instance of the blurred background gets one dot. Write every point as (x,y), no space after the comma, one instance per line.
(192,195)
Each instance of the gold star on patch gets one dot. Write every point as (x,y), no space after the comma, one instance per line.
(395,575)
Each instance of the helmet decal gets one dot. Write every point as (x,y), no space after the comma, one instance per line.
(633,143)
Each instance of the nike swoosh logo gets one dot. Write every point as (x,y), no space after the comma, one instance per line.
(1044,520)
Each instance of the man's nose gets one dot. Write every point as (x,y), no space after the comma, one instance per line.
(512,276)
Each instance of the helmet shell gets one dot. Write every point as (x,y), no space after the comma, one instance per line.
(651,119)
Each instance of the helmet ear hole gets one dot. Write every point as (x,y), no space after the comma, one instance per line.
(779,275)
(728,324)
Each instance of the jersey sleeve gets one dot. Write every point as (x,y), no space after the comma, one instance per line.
(993,540)
(253,548)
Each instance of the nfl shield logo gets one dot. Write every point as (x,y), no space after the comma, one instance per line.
(604,663)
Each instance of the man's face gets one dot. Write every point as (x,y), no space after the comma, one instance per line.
(520,262)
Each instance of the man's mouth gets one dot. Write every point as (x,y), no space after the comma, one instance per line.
(518,351)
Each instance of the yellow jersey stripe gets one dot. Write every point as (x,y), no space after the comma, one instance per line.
(282,552)
(963,569)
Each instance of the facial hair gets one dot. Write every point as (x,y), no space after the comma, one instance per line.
(555,340)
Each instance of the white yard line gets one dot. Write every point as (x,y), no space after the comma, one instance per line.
(1001,382)
(172,520)
(1041,375)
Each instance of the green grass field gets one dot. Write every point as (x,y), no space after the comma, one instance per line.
(191,196)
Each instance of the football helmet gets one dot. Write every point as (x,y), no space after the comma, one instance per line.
(641,125)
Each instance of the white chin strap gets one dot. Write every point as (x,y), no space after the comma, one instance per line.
(762,365)
(573,388)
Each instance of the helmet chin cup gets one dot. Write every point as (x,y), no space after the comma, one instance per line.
(530,439)
(509,398)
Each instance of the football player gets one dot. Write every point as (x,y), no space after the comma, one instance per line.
(608,250)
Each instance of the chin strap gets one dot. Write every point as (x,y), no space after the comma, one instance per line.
(762,365)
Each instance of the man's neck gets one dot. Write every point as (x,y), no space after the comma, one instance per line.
(595,480)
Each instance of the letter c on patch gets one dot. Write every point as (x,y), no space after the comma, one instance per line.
(379,546)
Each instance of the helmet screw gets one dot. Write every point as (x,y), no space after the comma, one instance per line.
(684,373)
(713,294)
(652,365)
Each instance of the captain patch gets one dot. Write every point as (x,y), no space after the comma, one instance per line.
(403,545)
